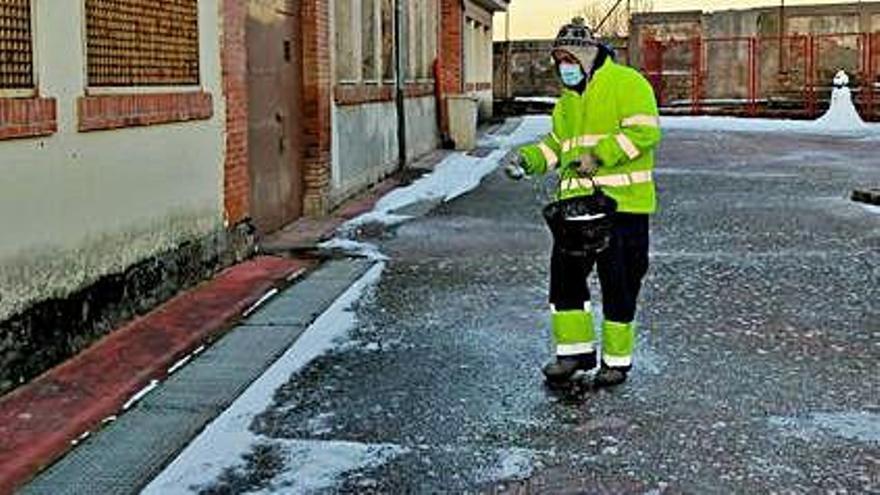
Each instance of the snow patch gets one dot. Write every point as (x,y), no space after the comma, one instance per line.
(512,465)
(853,425)
(840,119)
(842,115)
(871,208)
(228,437)
(312,465)
(456,175)
(356,248)
(321,424)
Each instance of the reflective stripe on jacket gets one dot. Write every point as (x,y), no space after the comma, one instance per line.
(616,120)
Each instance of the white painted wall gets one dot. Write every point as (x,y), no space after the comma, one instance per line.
(422,133)
(477,46)
(76,206)
(365,141)
(364,147)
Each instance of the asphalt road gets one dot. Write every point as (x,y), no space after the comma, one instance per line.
(756,372)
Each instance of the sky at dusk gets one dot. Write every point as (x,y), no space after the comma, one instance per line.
(542,18)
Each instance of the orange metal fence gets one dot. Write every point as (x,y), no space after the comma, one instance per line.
(768,76)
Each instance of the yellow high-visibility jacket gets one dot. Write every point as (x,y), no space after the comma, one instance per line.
(615,119)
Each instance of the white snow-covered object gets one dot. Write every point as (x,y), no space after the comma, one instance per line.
(840,119)
(842,114)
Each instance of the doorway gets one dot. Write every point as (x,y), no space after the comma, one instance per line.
(274,66)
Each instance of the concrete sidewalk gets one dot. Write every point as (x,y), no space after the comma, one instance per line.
(42,420)
(127,454)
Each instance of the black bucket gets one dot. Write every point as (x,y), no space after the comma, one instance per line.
(581,226)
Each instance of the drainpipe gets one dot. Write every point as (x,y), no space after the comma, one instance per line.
(400,82)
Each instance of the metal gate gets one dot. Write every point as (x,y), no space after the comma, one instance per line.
(786,76)
(274,112)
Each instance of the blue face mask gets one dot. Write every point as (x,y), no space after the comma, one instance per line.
(571,74)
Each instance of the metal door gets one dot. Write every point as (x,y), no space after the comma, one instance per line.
(274,112)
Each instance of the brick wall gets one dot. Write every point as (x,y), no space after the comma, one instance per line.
(359,94)
(27,117)
(317,100)
(450,70)
(236,181)
(98,113)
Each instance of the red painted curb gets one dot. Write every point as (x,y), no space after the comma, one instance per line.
(39,420)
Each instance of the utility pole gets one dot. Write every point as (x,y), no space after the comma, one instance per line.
(508,71)
(400,62)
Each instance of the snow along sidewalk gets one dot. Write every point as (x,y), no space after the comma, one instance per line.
(129,452)
(314,464)
(456,175)
(309,465)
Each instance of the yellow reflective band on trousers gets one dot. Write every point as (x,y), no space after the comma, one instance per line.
(618,341)
(615,120)
(573,327)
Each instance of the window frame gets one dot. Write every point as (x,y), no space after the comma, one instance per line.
(418,77)
(135,89)
(354,29)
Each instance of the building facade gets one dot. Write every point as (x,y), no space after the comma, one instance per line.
(147,143)
(112,148)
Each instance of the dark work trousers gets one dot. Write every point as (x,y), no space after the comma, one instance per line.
(621,268)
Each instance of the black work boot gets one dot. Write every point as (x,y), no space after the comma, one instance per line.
(565,367)
(609,377)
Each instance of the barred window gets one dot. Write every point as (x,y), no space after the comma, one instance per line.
(388,62)
(348,66)
(142,42)
(16,46)
(369,28)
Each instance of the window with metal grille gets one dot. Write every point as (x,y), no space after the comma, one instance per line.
(16,47)
(142,42)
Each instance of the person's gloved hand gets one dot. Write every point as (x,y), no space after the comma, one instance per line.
(587,165)
(515,168)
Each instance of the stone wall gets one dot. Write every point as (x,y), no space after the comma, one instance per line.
(782,66)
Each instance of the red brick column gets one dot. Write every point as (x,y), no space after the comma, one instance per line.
(451,19)
(236,181)
(317,98)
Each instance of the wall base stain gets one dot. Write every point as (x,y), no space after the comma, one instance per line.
(53,329)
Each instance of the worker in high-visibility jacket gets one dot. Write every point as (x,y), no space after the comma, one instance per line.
(605,125)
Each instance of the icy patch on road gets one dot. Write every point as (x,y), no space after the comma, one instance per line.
(871,208)
(321,424)
(854,425)
(314,465)
(354,248)
(512,465)
(456,175)
(227,439)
